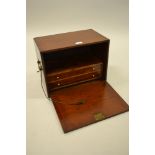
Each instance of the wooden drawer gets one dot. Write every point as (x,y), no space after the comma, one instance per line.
(74,80)
(75,71)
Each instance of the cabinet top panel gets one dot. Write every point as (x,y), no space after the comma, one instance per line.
(68,40)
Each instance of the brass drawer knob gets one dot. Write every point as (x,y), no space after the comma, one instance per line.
(58,77)
(58,84)
(93,75)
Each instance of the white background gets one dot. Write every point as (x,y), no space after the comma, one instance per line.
(13,100)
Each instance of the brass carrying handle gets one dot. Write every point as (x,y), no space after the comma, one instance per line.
(39,65)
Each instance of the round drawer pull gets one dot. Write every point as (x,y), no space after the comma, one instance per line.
(58,84)
(93,75)
(58,77)
(93,68)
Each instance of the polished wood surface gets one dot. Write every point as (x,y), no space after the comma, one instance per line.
(75,72)
(96,96)
(68,40)
(74,75)
(80,68)
(70,81)
(43,75)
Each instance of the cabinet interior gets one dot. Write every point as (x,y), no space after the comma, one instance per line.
(75,60)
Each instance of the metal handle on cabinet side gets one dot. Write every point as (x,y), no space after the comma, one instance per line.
(39,66)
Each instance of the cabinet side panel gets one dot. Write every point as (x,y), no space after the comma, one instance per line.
(39,57)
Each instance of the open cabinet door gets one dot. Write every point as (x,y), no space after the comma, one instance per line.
(87,103)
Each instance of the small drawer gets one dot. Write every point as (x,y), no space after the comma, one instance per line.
(74,80)
(74,72)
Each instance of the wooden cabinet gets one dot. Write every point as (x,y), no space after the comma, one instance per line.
(74,71)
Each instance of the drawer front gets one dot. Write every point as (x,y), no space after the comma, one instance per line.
(74,72)
(74,80)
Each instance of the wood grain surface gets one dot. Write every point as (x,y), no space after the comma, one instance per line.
(97,97)
(67,40)
(78,58)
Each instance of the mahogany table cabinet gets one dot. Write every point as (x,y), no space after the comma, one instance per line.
(73,70)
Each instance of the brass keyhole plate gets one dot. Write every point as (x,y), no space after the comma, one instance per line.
(99,116)
(80,102)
